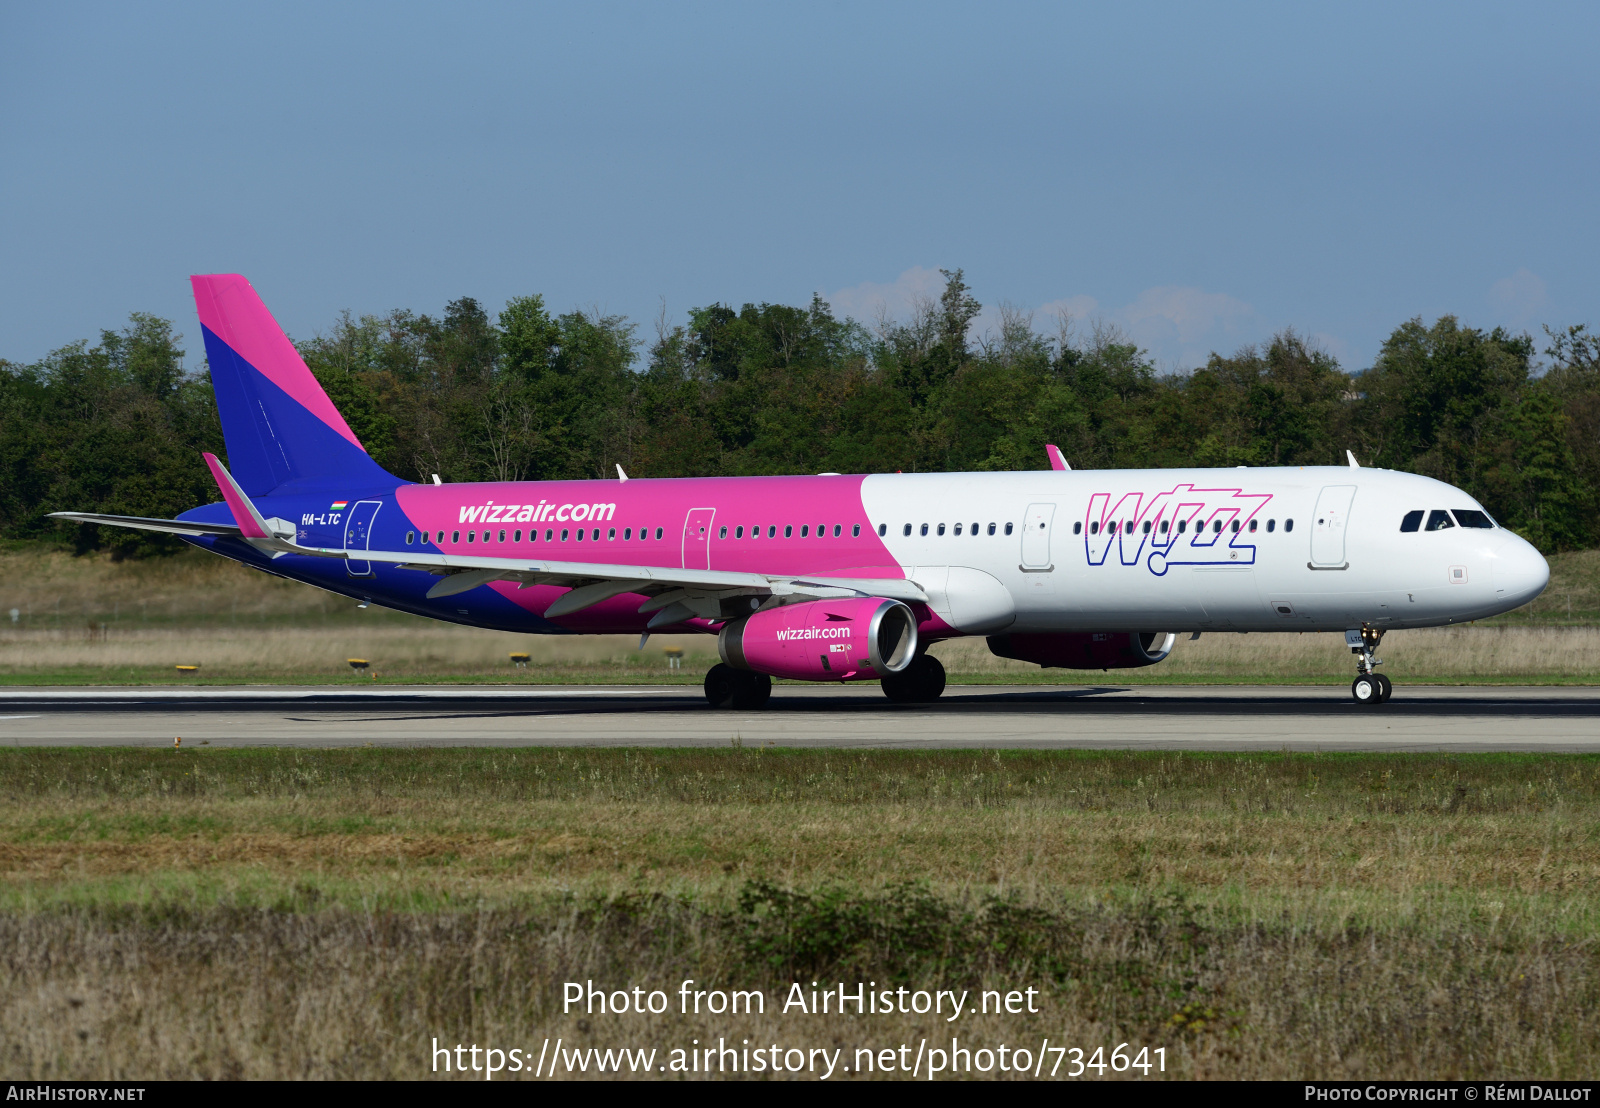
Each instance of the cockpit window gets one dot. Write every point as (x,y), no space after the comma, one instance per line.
(1471,517)
(1413,520)
(1439,520)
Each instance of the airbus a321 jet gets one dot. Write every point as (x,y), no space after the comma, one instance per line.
(838,577)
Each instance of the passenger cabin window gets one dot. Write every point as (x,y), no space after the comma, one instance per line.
(611,534)
(1439,520)
(455,536)
(565,533)
(924,530)
(958,529)
(1271,525)
(658,534)
(837,530)
(549,535)
(1288,525)
(1094,528)
(502,536)
(1412,521)
(1077,528)
(1216,527)
(908,529)
(627,533)
(518,536)
(410,536)
(738,532)
(1008,528)
(883,529)
(772,532)
(974,530)
(1252,526)
(471,535)
(1183,526)
(991,528)
(1234,527)
(441,537)
(1470,517)
(1146,527)
(855,531)
(941,528)
(788,531)
(1166,525)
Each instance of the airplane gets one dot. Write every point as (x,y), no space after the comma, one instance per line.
(835,577)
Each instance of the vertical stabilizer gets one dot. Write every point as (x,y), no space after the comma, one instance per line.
(279,424)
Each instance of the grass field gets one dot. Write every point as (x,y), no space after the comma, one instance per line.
(328,913)
(430,652)
(90,620)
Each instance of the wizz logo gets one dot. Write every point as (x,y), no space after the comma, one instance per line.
(1184,527)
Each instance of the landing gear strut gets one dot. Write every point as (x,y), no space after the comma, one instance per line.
(1370,686)
(727,687)
(921,682)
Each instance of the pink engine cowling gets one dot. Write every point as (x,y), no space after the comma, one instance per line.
(858,639)
(1085,649)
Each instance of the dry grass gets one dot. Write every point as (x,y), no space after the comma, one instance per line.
(326,913)
(91,620)
(410,651)
(429,651)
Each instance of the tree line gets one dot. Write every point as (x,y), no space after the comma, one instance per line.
(117,426)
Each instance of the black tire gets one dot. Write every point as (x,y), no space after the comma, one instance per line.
(1366,689)
(900,687)
(930,678)
(722,682)
(921,682)
(1385,688)
(751,690)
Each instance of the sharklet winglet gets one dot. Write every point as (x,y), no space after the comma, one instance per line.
(251,525)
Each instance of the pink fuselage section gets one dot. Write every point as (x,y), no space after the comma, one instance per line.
(791,526)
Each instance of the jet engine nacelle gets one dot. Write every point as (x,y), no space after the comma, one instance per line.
(857,639)
(1086,649)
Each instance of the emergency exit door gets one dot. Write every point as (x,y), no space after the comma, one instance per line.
(697,538)
(1036,537)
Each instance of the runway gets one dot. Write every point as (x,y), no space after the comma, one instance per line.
(1174,717)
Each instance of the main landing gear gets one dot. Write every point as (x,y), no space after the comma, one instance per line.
(727,687)
(919,683)
(1370,686)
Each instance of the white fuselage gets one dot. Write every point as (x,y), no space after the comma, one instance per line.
(1298,549)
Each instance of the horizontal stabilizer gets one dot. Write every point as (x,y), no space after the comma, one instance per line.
(145,523)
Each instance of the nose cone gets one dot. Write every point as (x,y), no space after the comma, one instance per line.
(1520,573)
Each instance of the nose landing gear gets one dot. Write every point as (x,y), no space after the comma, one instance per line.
(1370,686)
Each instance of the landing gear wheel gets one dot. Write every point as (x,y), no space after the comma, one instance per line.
(727,687)
(1367,689)
(1386,688)
(752,690)
(721,681)
(921,682)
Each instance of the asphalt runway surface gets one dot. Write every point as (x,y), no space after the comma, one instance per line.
(1176,717)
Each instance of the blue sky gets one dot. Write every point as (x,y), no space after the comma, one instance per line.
(1201,175)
